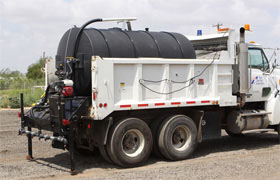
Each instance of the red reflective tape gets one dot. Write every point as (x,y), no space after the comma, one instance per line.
(175,103)
(205,101)
(191,102)
(159,104)
(143,105)
(125,106)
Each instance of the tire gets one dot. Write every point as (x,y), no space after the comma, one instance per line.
(130,142)
(177,137)
(103,152)
(155,131)
(278,130)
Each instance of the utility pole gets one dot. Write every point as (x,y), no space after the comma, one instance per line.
(44,56)
(217,25)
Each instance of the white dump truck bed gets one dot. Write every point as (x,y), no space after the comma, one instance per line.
(146,83)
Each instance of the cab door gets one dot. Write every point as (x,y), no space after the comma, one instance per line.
(261,84)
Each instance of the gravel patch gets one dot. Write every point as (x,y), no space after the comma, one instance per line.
(255,156)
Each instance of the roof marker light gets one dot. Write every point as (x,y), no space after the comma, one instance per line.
(247,27)
(223,29)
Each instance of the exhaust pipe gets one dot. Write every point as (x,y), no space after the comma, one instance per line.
(243,63)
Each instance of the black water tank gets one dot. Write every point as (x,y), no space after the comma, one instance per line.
(119,43)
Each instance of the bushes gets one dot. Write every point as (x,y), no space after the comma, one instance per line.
(12,83)
(11,98)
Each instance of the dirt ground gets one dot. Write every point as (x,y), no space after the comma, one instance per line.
(255,156)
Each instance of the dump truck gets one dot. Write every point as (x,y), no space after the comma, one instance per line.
(129,93)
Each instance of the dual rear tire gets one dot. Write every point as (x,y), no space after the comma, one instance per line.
(130,141)
(177,137)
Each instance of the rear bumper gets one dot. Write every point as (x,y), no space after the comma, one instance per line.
(49,117)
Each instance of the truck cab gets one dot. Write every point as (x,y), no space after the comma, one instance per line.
(261,78)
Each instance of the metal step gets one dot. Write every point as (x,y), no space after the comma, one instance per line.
(255,114)
(258,131)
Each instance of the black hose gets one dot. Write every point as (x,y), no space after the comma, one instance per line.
(77,42)
(40,109)
(46,95)
(78,37)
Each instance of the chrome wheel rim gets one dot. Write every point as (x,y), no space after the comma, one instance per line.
(132,143)
(181,138)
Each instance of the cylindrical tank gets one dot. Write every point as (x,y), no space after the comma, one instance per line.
(118,43)
(238,122)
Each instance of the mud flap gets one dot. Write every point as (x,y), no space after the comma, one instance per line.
(197,117)
(211,125)
(101,129)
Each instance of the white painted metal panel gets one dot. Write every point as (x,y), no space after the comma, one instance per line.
(146,83)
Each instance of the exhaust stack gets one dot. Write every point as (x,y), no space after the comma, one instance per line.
(243,63)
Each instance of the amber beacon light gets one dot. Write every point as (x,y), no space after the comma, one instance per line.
(247,27)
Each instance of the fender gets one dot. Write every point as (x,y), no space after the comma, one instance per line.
(273,105)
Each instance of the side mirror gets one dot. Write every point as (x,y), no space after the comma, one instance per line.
(274,65)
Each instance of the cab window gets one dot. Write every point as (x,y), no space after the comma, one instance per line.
(257,59)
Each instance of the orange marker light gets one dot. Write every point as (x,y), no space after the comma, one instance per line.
(223,29)
(247,27)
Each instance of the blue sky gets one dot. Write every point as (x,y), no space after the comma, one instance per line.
(29,27)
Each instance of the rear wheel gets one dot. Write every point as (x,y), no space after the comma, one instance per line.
(278,130)
(130,142)
(177,137)
(104,153)
(155,131)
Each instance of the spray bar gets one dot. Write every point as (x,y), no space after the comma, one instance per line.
(43,136)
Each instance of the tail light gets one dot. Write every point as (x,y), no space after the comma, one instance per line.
(67,91)
(65,122)
(94,95)
(19,114)
(103,105)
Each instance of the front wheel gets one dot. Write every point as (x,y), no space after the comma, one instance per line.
(130,142)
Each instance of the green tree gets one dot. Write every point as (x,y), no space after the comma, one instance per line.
(8,77)
(34,71)
(7,73)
